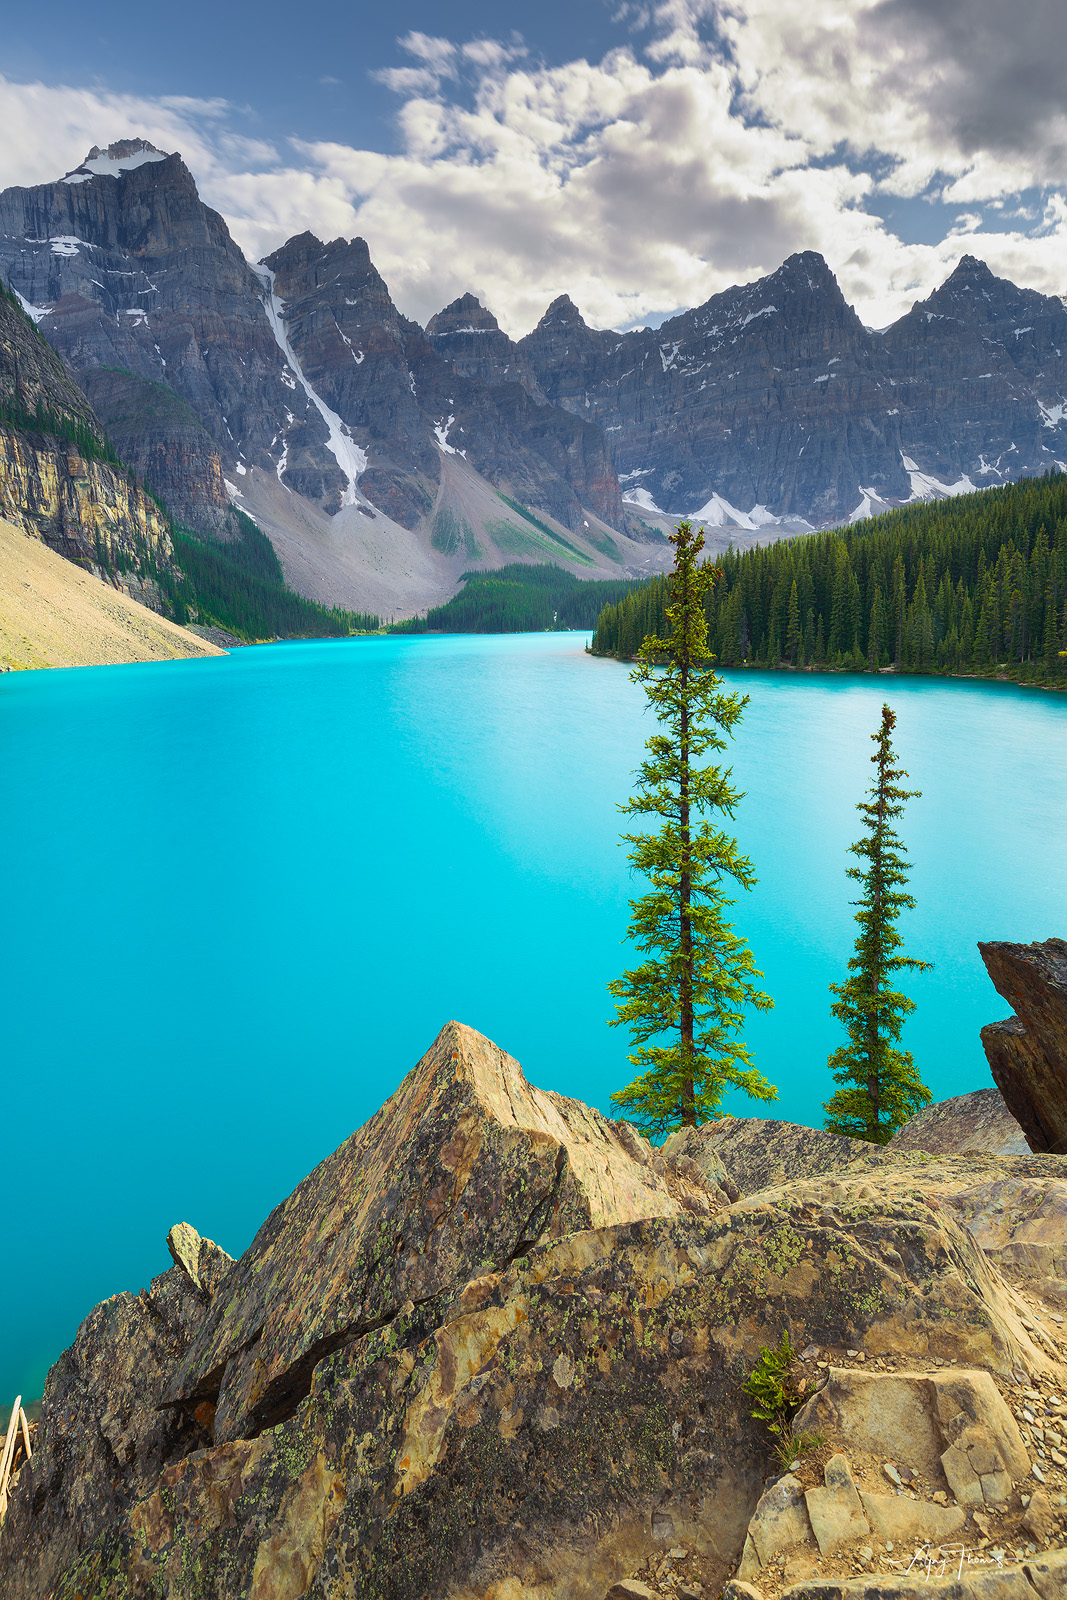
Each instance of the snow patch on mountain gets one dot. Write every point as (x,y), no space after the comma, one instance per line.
(865,507)
(344,449)
(35,313)
(924,486)
(642,499)
(719,513)
(440,430)
(122,157)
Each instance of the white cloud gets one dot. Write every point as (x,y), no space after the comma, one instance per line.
(723,137)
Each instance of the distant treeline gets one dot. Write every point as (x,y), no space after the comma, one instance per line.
(520,599)
(239,585)
(973,584)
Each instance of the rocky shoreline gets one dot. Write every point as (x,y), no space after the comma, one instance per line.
(494,1348)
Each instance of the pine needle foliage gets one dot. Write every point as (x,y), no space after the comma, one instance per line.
(881,1087)
(685,1003)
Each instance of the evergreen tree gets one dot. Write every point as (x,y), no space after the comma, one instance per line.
(793,634)
(684,1004)
(882,1088)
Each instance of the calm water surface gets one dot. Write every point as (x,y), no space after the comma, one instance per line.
(240,897)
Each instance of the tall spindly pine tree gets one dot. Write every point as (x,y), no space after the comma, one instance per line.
(684,1004)
(881,1086)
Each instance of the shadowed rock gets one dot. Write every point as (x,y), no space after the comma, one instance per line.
(1028,1053)
(103,1440)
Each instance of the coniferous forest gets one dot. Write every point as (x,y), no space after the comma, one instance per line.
(971,585)
(240,586)
(520,599)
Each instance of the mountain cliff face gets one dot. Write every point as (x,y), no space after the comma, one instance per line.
(302,368)
(776,400)
(56,479)
(156,434)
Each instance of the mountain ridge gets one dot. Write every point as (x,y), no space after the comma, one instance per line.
(770,406)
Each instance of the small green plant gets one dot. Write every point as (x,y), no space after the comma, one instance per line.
(772,1387)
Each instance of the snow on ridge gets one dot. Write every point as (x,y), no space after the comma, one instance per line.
(104,165)
(344,449)
(1053,415)
(764,311)
(924,486)
(67,244)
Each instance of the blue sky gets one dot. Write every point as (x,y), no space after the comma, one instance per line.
(638,154)
(292,71)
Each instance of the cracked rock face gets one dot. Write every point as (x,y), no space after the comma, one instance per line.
(102,1440)
(1028,1053)
(462,1169)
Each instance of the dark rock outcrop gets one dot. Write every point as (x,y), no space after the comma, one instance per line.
(1028,1052)
(103,1440)
(494,1346)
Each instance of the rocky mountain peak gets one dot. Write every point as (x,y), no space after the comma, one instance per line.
(471,340)
(465,315)
(125,155)
(304,259)
(969,267)
(805,272)
(562,313)
(1032,325)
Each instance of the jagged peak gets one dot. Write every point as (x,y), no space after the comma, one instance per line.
(465,315)
(562,313)
(303,249)
(973,284)
(125,155)
(804,269)
(970,267)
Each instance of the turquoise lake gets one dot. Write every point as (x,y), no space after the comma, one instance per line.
(241,896)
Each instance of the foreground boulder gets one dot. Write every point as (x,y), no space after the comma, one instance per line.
(978,1122)
(494,1348)
(1028,1053)
(465,1168)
